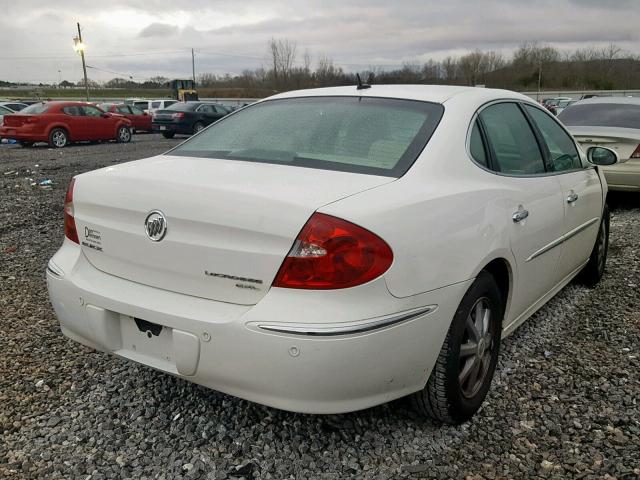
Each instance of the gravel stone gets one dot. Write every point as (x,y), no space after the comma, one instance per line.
(564,402)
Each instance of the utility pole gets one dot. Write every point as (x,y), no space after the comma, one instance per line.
(193,67)
(79,46)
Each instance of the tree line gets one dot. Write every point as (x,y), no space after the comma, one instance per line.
(532,66)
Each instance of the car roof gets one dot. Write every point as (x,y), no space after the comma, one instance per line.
(620,100)
(425,93)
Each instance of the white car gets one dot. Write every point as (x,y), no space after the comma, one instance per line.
(150,106)
(328,250)
(612,122)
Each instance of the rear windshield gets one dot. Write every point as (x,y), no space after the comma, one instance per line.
(620,115)
(377,136)
(183,107)
(35,109)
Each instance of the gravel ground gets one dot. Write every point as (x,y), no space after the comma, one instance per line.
(564,403)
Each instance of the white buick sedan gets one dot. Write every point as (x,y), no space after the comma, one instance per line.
(328,250)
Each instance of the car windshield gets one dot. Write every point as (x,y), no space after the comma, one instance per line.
(622,115)
(377,136)
(183,107)
(35,109)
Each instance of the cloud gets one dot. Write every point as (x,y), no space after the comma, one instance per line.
(158,30)
(155,37)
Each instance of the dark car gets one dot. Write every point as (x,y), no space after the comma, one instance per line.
(186,117)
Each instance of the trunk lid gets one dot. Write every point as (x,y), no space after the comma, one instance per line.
(18,120)
(229,223)
(622,140)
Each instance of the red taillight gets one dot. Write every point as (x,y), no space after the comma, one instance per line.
(69,222)
(332,253)
(178,115)
(636,152)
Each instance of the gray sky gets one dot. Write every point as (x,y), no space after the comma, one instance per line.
(145,38)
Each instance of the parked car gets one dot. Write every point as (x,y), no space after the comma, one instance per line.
(612,122)
(140,120)
(150,106)
(187,117)
(60,123)
(13,106)
(328,250)
(562,105)
(552,103)
(4,111)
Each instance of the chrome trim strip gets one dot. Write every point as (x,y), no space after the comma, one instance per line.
(54,270)
(562,239)
(331,329)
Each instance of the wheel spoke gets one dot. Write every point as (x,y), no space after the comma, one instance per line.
(466,370)
(475,370)
(468,349)
(485,321)
(473,330)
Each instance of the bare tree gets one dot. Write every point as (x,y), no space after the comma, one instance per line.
(282,57)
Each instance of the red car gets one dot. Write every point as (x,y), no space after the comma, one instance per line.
(140,120)
(61,123)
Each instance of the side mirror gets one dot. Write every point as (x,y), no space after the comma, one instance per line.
(105,115)
(602,156)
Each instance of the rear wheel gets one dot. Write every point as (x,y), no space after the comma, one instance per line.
(124,134)
(594,269)
(198,126)
(462,375)
(168,134)
(58,138)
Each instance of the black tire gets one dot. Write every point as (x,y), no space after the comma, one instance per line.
(58,138)
(445,398)
(594,269)
(123,135)
(168,134)
(197,127)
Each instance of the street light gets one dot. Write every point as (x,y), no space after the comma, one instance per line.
(79,47)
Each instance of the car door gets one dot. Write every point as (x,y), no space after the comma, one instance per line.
(532,199)
(581,191)
(141,120)
(76,122)
(99,127)
(207,113)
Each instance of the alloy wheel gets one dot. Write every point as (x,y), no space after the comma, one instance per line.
(124,134)
(476,347)
(59,138)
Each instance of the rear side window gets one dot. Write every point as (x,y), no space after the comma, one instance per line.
(563,154)
(511,139)
(142,105)
(168,102)
(620,115)
(155,104)
(378,136)
(123,109)
(476,146)
(73,110)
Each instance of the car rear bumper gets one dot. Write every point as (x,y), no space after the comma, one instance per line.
(172,128)
(227,347)
(21,135)
(623,176)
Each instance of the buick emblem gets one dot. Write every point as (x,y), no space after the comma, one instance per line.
(155,225)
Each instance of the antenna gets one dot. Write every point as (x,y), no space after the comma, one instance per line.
(361,86)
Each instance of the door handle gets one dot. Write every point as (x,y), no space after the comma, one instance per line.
(520,215)
(572,198)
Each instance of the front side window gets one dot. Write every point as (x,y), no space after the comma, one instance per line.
(205,109)
(124,109)
(511,139)
(622,115)
(155,104)
(90,111)
(136,111)
(377,136)
(142,105)
(168,102)
(562,152)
